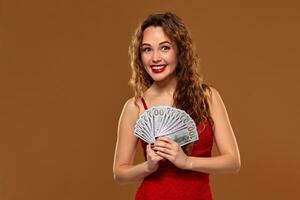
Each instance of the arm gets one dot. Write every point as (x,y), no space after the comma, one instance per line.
(123,169)
(229,159)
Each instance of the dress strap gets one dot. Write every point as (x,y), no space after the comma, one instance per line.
(144,103)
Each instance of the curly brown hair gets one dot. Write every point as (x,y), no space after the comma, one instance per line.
(190,89)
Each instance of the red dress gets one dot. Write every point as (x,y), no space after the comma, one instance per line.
(172,183)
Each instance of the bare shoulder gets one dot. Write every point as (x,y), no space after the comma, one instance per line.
(128,117)
(130,104)
(216,104)
(211,94)
(131,108)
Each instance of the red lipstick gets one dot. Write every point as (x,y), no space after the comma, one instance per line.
(158,68)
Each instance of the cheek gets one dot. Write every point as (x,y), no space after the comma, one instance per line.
(145,63)
(171,57)
(173,62)
(144,59)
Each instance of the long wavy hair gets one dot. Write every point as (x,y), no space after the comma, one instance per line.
(190,89)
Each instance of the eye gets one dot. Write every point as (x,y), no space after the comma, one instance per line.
(147,49)
(165,48)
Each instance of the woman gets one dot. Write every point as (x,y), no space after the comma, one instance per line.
(164,66)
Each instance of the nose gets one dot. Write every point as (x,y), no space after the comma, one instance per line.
(156,57)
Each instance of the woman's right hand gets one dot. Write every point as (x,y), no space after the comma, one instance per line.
(152,159)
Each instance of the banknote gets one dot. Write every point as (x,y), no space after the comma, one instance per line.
(166,121)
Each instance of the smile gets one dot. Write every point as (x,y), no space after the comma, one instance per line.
(158,68)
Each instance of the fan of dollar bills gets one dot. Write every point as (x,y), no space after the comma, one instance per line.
(166,121)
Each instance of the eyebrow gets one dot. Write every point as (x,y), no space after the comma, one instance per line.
(159,43)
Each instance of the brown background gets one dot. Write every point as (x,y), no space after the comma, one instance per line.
(63,82)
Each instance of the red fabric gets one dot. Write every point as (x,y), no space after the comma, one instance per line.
(172,183)
(144,103)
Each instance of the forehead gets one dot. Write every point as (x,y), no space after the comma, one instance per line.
(153,35)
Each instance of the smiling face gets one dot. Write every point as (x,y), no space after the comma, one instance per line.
(159,54)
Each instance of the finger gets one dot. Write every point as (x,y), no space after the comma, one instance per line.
(148,148)
(168,140)
(172,143)
(155,157)
(164,155)
(162,144)
(162,149)
(150,153)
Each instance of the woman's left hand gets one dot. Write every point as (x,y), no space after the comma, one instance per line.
(171,151)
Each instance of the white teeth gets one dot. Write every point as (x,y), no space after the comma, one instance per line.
(158,67)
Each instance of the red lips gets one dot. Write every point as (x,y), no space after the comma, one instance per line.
(158,68)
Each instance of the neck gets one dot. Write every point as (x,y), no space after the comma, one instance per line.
(166,86)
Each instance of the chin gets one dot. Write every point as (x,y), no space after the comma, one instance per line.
(159,78)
